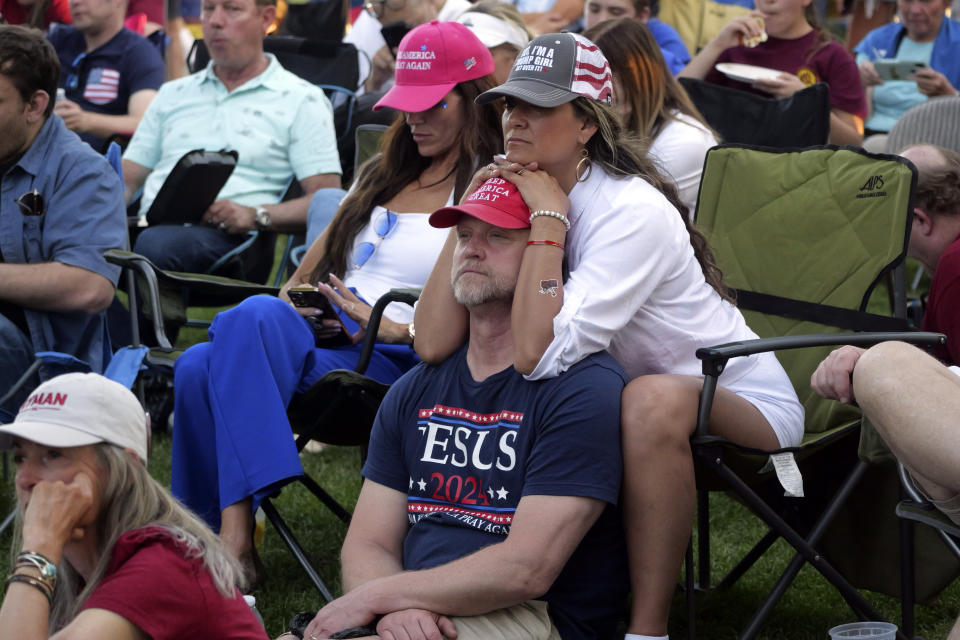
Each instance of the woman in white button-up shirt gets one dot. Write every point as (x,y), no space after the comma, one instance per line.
(641,284)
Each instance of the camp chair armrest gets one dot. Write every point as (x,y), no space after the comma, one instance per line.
(408,296)
(142,266)
(715,358)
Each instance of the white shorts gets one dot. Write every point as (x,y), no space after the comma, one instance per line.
(767,387)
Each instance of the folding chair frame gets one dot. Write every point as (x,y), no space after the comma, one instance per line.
(336,378)
(709,451)
(916,508)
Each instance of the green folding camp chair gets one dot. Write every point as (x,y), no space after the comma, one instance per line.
(808,239)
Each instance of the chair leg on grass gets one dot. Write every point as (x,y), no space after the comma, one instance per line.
(749,559)
(325,498)
(288,538)
(703,540)
(803,547)
(907,583)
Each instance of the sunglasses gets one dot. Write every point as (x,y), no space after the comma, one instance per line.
(73,80)
(385,224)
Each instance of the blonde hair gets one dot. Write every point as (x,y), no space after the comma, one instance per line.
(132,499)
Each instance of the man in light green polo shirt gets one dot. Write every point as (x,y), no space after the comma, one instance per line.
(280,125)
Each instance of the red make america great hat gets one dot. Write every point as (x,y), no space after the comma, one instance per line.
(496,201)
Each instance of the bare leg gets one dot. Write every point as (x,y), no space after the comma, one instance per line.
(914,402)
(659,493)
(236,531)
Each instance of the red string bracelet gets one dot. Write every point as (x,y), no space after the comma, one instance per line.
(547,242)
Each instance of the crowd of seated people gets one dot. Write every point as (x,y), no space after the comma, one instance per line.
(518,297)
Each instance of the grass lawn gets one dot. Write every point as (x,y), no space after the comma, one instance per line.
(808,610)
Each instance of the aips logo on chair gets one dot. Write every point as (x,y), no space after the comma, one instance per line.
(872,188)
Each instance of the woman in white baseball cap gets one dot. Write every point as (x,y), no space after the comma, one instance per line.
(104,550)
(642,285)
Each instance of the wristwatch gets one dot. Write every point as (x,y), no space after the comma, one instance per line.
(261,218)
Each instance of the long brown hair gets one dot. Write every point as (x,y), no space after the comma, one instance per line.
(621,153)
(654,95)
(398,164)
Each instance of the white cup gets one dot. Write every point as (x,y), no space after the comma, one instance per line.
(873,630)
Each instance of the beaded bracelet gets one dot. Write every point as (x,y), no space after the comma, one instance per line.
(551,243)
(551,214)
(33,582)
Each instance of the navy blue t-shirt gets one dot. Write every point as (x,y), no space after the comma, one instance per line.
(103,80)
(465,452)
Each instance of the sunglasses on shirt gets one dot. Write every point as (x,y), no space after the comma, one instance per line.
(385,224)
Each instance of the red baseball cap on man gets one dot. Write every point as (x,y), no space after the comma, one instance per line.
(431,60)
(496,201)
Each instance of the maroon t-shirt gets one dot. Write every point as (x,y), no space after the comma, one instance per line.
(943,304)
(150,582)
(831,64)
(16,13)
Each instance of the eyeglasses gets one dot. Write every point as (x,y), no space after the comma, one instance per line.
(73,80)
(385,224)
(376,7)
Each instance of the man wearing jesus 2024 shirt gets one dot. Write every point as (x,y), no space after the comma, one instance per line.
(488,503)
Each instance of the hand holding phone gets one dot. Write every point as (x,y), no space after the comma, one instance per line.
(897,69)
(328,329)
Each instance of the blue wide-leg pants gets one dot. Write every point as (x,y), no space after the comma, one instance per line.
(231,436)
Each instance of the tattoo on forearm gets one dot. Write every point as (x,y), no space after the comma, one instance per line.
(549,287)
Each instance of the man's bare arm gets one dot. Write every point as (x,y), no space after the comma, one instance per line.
(544,533)
(373,547)
(290,216)
(134,175)
(54,286)
(101,124)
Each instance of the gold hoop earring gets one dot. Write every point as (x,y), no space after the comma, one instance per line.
(584,158)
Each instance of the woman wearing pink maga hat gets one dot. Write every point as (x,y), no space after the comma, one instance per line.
(232,444)
(422,77)
(642,285)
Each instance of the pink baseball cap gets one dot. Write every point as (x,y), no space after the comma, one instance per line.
(431,60)
(496,201)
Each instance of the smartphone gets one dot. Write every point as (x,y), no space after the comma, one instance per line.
(897,69)
(393,33)
(307,296)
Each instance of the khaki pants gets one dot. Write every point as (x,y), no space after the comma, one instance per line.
(525,621)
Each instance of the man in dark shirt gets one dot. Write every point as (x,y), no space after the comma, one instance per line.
(109,74)
(488,504)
